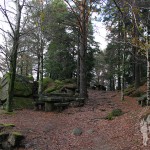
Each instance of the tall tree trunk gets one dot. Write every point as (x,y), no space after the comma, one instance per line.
(137,75)
(110,84)
(78,63)
(148,67)
(83,50)
(123,67)
(40,87)
(13,58)
(38,67)
(113,84)
(118,56)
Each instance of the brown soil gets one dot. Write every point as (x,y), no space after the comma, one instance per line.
(53,130)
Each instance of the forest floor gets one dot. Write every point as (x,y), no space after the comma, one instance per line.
(54,130)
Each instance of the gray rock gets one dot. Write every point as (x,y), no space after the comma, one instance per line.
(77,131)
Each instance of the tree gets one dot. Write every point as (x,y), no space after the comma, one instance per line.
(84,8)
(15,38)
(59,31)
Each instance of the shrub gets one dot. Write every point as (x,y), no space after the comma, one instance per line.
(109,117)
(114,113)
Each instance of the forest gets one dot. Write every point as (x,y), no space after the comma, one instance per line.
(51,44)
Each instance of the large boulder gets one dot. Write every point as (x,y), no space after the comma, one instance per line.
(23,86)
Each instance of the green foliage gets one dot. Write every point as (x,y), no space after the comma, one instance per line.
(30,78)
(109,117)
(114,113)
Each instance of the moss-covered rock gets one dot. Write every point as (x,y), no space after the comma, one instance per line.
(142,100)
(51,86)
(23,89)
(23,103)
(9,140)
(15,139)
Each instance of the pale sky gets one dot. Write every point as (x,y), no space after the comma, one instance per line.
(100,34)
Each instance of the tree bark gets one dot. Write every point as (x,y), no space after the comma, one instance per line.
(148,67)
(78,63)
(13,58)
(40,87)
(83,50)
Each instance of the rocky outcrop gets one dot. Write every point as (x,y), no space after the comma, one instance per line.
(8,139)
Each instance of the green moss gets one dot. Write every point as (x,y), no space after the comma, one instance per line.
(46,82)
(21,103)
(54,86)
(17,134)
(50,89)
(9,125)
(22,89)
(59,84)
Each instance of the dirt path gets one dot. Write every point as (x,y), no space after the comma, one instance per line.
(53,131)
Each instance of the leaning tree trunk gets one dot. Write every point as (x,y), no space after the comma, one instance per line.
(13,58)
